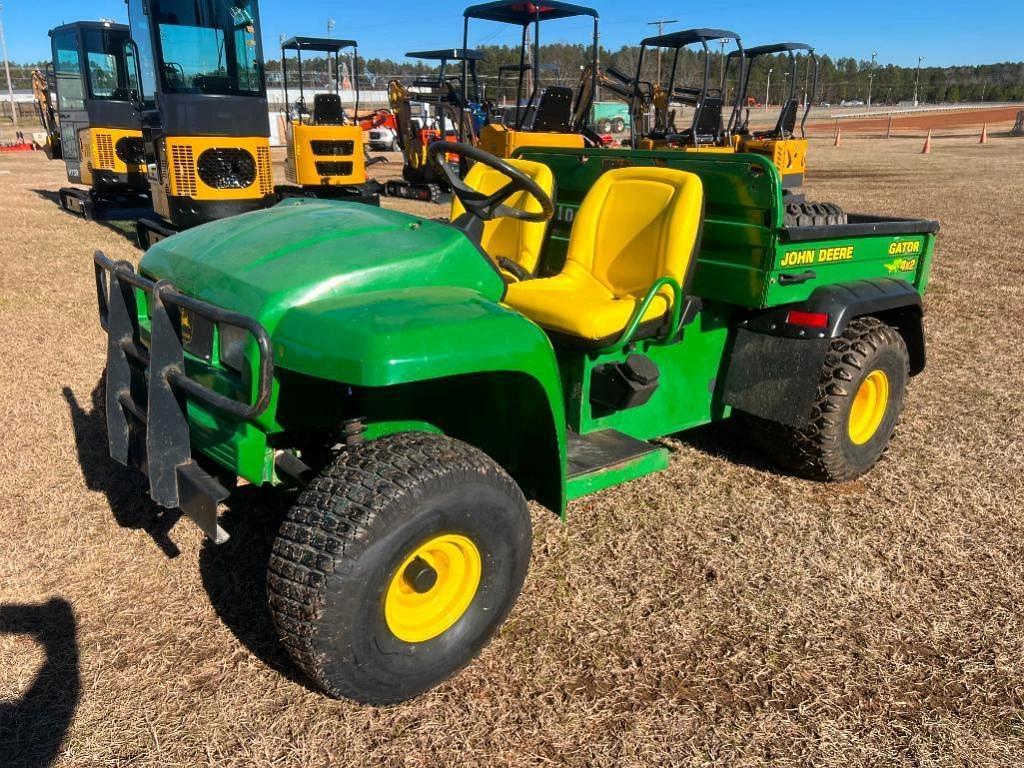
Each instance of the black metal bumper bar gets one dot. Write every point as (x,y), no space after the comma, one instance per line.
(147,389)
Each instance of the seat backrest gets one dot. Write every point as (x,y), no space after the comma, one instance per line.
(787,119)
(636,225)
(327,109)
(709,123)
(554,110)
(520,241)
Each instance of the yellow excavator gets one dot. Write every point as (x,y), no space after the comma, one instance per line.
(549,117)
(94,128)
(780,143)
(326,157)
(707,130)
(198,66)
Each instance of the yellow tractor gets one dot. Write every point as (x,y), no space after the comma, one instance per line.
(551,117)
(326,157)
(95,128)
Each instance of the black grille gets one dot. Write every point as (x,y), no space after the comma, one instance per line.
(130,150)
(327,148)
(227,168)
(335,168)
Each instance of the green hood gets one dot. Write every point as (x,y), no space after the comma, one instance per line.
(307,255)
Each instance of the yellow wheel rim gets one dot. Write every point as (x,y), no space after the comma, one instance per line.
(432,588)
(869,406)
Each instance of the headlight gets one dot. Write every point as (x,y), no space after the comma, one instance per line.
(232,346)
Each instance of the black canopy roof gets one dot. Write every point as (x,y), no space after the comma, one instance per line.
(525,12)
(687,37)
(321,44)
(448,54)
(761,50)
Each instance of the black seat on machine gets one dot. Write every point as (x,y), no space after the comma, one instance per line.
(327,109)
(709,123)
(787,120)
(554,110)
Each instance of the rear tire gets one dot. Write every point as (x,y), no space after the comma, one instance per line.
(341,594)
(604,126)
(618,125)
(810,214)
(853,421)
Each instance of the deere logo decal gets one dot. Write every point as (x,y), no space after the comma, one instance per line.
(901,265)
(186,327)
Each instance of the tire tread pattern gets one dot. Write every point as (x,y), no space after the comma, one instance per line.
(331,523)
(816,451)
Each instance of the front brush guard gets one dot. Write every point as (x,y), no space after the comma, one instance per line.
(147,410)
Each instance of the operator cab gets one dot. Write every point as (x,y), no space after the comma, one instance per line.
(631,253)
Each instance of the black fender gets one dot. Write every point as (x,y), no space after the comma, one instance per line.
(773,367)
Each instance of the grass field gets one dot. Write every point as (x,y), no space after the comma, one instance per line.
(719,613)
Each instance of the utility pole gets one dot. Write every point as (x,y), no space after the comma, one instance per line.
(768,88)
(661,30)
(721,78)
(330,27)
(871,75)
(7,71)
(917,78)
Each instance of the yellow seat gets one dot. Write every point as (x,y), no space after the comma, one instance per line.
(505,238)
(635,226)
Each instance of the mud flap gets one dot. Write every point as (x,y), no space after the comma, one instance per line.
(774,377)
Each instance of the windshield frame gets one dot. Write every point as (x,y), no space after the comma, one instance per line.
(113,45)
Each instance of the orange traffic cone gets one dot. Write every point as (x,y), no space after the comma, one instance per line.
(839,138)
(927,144)
(984,133)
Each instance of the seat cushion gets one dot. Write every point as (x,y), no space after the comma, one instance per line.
(635,226)
(574,303)
(518,241)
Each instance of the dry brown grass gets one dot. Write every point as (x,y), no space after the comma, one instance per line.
(718,613)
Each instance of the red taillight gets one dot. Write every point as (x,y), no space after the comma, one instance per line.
(807,319)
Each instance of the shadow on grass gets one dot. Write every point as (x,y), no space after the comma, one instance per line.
(124,487)
(117,218)
(732,440)
(233,573)
(33,727)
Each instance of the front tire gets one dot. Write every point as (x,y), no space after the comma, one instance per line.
(858,406)
(397,565)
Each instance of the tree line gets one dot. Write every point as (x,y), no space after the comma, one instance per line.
(839,79)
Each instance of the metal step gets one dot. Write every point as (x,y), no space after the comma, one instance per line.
(602,459)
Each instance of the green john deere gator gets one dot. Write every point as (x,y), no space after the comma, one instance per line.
(419,380)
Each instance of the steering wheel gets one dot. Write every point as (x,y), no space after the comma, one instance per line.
(492,206)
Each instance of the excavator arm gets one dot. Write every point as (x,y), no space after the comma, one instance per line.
(46,114)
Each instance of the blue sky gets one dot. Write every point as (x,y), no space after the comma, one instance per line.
(944,32)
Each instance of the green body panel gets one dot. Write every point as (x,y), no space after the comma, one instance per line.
(906,257)
(592,482)
(686,396)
